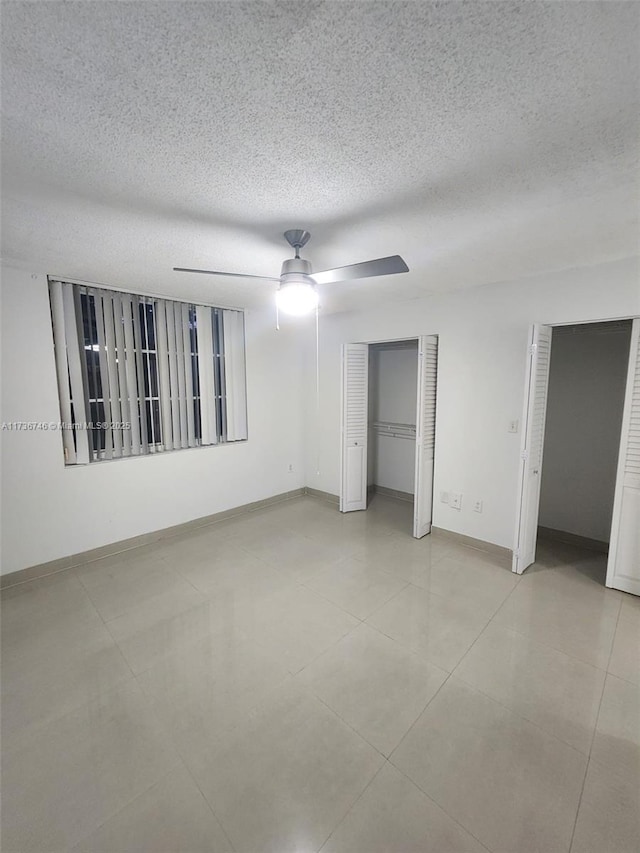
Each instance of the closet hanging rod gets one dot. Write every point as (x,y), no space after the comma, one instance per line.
(394,430)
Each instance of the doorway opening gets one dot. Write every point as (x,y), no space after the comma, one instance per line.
(388,425)
(585,403)
(580,475)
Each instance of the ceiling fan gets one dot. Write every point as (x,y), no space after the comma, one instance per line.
(297,293)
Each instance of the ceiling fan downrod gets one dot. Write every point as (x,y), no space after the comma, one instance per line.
(297,238)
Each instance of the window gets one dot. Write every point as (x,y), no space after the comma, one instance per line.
(140,375)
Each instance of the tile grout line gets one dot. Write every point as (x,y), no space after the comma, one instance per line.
(178,754)
(595,729)
(413,782)
(329,647)
(292,677)
(120,809)
(102,619)
(411,727)
(175,615)
(498,702)
(536,641)
(386,760)
(98,696)
(548,646)
(349,612)
(234,727)
(542,642)
(506,707)
(449,675)
(308,689)
(521,717)
(354,803)
(208,804)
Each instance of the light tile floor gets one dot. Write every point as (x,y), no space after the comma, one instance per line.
(298,680)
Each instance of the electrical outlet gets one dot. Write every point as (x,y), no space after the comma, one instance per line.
(290,468)
(477,506)
(444,497)
(513,426)
(455,500)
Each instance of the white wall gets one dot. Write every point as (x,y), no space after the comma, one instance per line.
(584,416)
(482,354)
(393,386)
(49,511)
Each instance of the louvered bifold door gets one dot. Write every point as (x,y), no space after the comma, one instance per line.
(623,568)
(531,454)
(355,382)
(425,434)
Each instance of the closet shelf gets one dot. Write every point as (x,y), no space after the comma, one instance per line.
(394,430)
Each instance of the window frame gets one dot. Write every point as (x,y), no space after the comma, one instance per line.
(90,326)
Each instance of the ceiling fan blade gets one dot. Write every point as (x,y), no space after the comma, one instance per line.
(232,274)
(367,269)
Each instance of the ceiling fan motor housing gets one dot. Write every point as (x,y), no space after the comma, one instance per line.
(296,271)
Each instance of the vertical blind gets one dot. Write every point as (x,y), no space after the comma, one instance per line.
(139,375)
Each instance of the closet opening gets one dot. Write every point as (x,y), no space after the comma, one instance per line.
(388,418)
(392,416)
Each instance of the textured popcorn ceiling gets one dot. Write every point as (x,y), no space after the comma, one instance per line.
(482,141)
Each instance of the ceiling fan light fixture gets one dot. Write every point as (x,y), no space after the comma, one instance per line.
(297,298)
(297,294)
